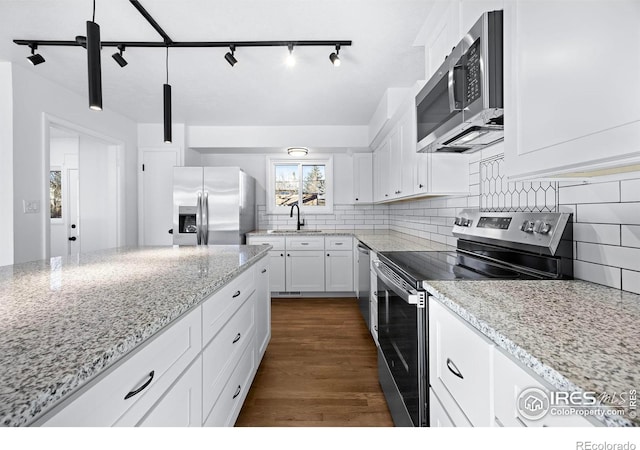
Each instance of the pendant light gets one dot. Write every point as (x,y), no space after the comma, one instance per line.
(166,91)
(93,63)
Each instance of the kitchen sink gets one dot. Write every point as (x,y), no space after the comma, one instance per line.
(294,231)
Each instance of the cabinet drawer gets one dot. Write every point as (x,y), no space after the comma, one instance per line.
(338,243)
(277,242)
(222,354)
(509,381)
(166,356)
(438,416)
(461,363)
(305,243)
(227,407)
(223,304)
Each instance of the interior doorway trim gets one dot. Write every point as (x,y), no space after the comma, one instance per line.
(48,121)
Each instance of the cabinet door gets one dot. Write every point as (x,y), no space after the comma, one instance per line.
(305,271)
(339,271)
(394,170)
(363,178)
(263,307)
(381,179)
(181,406)
(437,414)
(571,86)
(277,271)
(444,34)
(449,174)
(408,146)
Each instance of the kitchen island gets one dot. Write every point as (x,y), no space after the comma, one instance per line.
(66,321)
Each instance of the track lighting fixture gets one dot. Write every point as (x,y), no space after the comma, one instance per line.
(93,63)
(231,59)
(166,94)
(35,58)
(334,58)
(119,58)
(291,60)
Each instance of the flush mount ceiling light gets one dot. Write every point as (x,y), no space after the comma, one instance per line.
(93,45)
(334,58)
(119,58)
(291,60)
(297,151)
(35,58)
(229,56)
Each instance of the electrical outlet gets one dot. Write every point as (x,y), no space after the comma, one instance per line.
(31,206)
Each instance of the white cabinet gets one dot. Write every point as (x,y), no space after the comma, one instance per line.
(373,298)
(438,416)
(408,139)
(460,365)
(182,405)
(263,307)
(394,169)
(442,174)
(362,178)
(381,179)
(571,87)
(305,270)
(339,271)
(277,272)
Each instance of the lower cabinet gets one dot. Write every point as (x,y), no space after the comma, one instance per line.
(277,271)
(197,371)
(338,269)
(181,406)
(474,383)
(373,297)
(305,270)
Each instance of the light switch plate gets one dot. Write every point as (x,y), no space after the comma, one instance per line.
(31,206)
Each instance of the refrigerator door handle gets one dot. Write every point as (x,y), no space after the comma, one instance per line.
(199,219)
(205,219)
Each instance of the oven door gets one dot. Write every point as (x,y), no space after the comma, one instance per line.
(402,354)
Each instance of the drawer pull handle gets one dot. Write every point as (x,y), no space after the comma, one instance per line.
(264,271)
(236,339)
(237,392)
(453,369)
(338,243)
(141,388)
(236,294)
(304,243)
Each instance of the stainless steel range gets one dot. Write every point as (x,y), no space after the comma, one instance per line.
(515,245)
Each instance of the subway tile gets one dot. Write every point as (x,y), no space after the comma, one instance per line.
(597,273)
(630,190)
(571,209)
(631,281)
(596,233)
(591,193)
(616,213)
(457,202)
(447,212)
(623,257)
(631,236)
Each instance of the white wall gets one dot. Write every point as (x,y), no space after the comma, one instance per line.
(33,96)
(6,165)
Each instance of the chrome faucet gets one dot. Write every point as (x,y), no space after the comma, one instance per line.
(299,224)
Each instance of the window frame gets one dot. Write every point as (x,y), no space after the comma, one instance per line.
(272,162)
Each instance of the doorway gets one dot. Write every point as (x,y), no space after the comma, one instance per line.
(84,190)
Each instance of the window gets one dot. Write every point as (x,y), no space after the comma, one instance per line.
(306,183)
(55,194)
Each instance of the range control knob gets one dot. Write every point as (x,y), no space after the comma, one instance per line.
(458,221)
(527,226)
(467,222)
(545,228)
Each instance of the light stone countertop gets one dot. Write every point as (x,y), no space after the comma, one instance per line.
(64,321)
(576,335)
(378,241)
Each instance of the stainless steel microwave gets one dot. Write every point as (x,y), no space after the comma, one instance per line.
(460,109)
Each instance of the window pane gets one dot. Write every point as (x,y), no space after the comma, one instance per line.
(55,193)
(314,185)
(287,184)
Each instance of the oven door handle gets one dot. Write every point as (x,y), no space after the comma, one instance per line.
(412,296)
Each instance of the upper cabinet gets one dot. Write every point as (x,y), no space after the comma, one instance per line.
(571,87)
(362,178)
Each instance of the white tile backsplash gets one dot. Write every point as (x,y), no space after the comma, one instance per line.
(631,235)
(610,255)
(630,191)
(591,193)
(597,233)
(618,213)
(598,273)
(631,281)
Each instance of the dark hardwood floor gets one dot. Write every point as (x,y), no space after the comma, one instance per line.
(320,369)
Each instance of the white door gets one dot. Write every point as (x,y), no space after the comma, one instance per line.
(157,196)
(73,217)
(339,271)
(277,271)
(305,271)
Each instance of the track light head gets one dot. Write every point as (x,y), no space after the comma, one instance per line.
(81,41)
(35,58)
(291,60)
(231,59)
(119,58)
(334,58)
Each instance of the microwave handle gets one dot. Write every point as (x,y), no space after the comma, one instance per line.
(452,89)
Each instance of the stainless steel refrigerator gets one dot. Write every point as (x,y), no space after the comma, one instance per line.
(212,205)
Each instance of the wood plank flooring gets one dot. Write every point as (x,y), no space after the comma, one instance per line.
(320,369)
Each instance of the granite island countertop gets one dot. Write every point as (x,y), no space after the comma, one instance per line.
(377,240)
(64,321)
(576,335)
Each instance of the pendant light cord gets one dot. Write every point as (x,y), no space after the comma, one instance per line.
(167,64)
(94,11)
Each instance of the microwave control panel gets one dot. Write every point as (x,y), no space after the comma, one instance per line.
(473,75)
